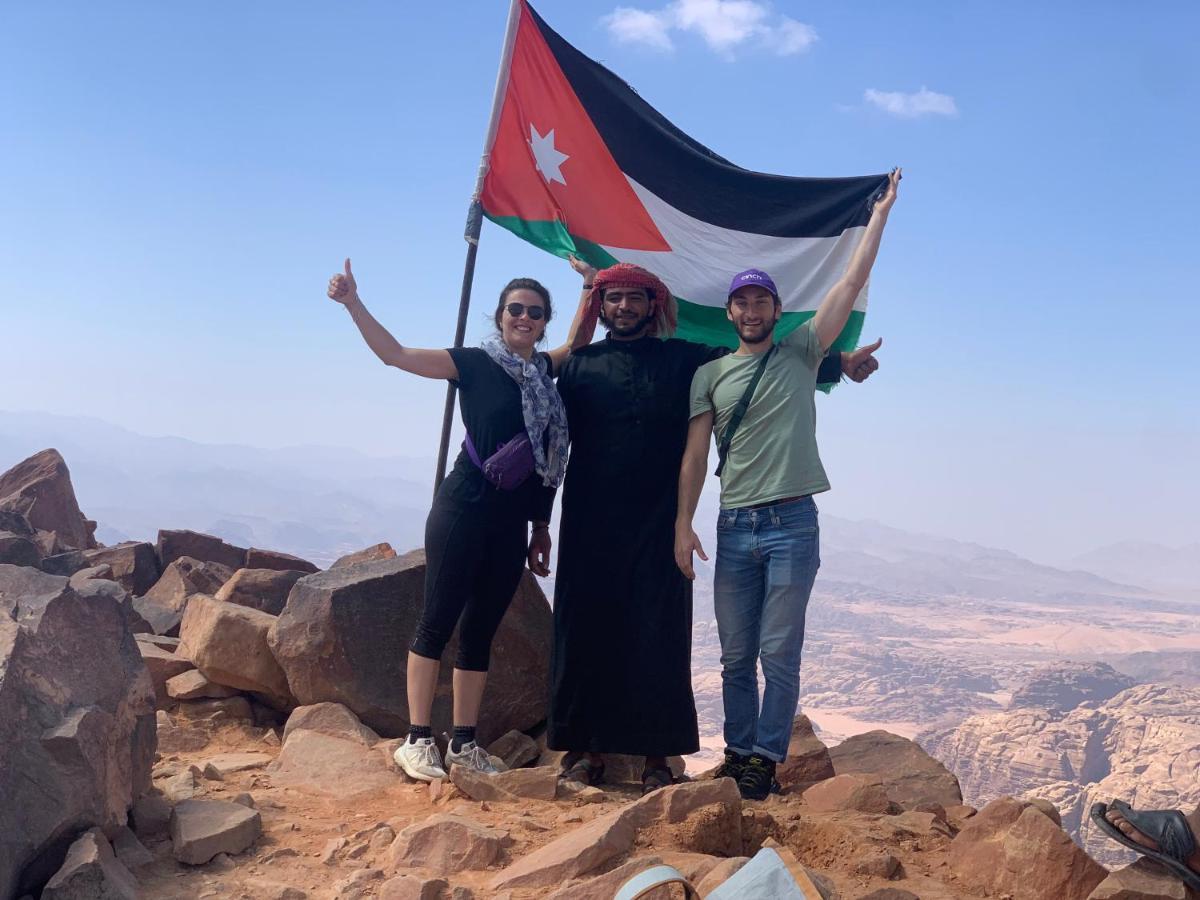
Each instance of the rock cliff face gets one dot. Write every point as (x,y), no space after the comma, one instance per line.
(1142,746)
(1064,686)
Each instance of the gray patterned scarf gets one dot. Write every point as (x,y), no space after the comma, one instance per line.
(541,406)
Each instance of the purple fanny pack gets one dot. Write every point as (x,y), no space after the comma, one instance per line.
(509,466)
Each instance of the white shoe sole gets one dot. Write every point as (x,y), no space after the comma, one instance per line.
(413,773)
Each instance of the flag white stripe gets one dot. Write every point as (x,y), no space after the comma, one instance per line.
(705,257)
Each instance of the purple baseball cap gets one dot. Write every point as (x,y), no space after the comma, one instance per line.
(753,277)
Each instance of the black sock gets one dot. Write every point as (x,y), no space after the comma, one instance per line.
(463,734)
(418,732)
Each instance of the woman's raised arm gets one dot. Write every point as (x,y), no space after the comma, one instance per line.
(427,363)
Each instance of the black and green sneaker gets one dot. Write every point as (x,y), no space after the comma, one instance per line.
(758,778)
(733,766)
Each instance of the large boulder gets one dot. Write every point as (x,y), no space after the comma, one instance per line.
(164,604)
(911,776)
(174,543)
(374,553)
(163,665)
(76,716)
(18,550)
(1013,848)
(200,829)
(228,644)
(39,488)
(344,637)
(134,564)
(591,846)
(1145,879)
(282,562)
(91,871)
(262,589)
(15,523)
(326,747)
(807,761)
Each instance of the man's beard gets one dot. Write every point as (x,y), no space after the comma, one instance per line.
(755,334)
(626,327)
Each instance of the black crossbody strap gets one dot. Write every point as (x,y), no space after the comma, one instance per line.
(739,411)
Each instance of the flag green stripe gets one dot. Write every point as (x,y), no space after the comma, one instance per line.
(697,322)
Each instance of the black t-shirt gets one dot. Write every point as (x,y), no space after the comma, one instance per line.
(490,404)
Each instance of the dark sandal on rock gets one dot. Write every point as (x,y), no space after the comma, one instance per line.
(1166,827)
(577,768)
(653,779)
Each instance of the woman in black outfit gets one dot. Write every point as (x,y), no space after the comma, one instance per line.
(476,537)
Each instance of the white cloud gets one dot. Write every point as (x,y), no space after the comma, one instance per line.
(793,37)
(723,24)
(638,26)
(912,106)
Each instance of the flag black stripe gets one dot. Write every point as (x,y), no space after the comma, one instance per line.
(693,179)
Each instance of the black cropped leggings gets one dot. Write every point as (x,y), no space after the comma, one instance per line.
(474,558)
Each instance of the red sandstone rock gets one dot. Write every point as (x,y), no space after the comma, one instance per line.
(331,719)
(340,765)
(164,604)
(162,666)
(909,774)
(446,844)
(605,887)
(1143,880)
(134,564)
(374,553)
(1013,848)
(91,872)
(193,685)
(808,759)
(860,793)
(281,562)
(200,829)
(18,550)
(513,786)
(585,849)
(263,589)
(414,887)
(344,637)
(39,488)
(173,544)
(516,748)
(228,643)
(77,734)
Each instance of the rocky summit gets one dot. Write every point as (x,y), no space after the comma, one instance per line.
(187,718)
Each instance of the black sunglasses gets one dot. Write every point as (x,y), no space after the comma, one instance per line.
(516,310)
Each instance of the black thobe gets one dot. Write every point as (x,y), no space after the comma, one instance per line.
(621,679)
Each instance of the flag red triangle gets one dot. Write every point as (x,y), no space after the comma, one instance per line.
(548,161)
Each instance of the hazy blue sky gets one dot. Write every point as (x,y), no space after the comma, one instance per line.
(178,181)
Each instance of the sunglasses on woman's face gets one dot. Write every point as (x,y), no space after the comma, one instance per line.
(516,310)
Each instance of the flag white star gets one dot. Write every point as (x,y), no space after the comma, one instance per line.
(549,160)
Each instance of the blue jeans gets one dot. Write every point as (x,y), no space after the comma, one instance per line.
(767,560)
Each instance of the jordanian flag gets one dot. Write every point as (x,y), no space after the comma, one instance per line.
(581,164)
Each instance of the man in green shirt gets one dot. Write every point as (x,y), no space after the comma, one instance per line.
(758,402)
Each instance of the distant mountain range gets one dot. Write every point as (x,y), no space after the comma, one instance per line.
(1167,568)
(316,502)
(319,502)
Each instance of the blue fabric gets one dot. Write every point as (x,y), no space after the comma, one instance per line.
(542,407)
(767,561)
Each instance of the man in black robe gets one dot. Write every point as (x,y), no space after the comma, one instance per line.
(621,666)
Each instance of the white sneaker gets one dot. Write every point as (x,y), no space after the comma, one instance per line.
(471,756)
(420,759)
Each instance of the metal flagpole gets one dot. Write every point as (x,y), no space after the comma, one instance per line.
(475,225)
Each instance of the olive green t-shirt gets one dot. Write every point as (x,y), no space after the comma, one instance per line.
(774,451)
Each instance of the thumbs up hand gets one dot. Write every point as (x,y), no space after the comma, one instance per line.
(343,288)
(859,364)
